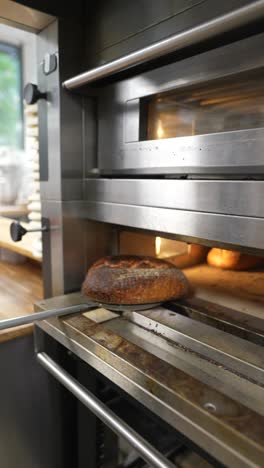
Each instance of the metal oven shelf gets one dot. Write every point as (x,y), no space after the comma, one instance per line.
(228,197)
(153,357)
(216,212)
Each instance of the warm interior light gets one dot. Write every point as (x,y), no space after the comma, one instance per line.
(160,131)
(157,245)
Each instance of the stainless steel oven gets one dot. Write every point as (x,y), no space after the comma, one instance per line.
(147,161)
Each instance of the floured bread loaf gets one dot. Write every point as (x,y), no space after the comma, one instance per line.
(134,280)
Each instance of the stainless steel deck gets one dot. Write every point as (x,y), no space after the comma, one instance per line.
(205,382)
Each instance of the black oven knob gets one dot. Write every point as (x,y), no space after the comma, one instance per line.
(17,231)
(32,94)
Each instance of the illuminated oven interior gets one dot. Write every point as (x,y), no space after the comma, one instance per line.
(241,290)
(229,104)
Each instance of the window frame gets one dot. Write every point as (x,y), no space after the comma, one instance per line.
(10,49)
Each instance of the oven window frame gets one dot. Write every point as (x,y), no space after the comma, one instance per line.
(217,106)
(120,115)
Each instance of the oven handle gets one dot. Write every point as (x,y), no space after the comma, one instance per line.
(144,448)
(46,314)
(208,30)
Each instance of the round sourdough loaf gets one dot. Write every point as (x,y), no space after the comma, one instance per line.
(232,260)
(134,280)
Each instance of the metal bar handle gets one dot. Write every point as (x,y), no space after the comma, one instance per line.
(144,448)
(30,318)
(208,30)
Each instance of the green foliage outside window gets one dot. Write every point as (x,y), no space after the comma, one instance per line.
(11,124)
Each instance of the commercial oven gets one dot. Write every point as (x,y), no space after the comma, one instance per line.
(147,154)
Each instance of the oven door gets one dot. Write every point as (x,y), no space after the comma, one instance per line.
(200,115)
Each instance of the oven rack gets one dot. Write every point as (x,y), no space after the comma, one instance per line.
(196,377)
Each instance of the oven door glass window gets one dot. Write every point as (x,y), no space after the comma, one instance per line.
(230,104)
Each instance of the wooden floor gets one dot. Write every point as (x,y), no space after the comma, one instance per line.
(20,287)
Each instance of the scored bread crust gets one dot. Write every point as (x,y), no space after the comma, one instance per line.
(232,260)
(134,280)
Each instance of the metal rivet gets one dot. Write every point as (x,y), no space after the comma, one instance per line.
(210,407)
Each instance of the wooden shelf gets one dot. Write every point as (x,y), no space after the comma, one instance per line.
(13,210)
(24,247)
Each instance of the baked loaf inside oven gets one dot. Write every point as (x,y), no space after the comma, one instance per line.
(232,260)
(134,280)
(196,254)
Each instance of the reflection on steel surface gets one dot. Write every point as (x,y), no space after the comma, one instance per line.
(223,105)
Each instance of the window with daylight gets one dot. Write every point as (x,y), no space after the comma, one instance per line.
(11,102)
